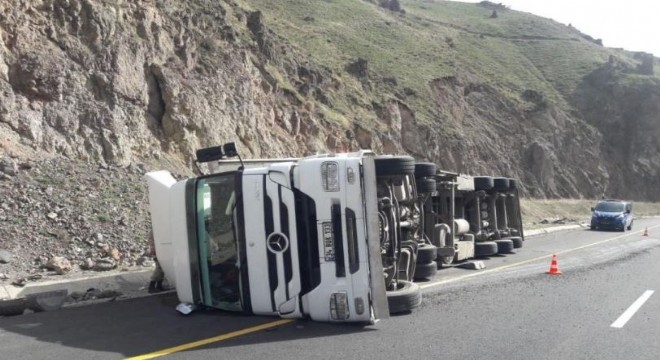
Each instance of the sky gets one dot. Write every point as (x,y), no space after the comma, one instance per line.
(630,24)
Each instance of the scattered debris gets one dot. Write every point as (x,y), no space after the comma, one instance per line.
(60,264)
(69,200)
(105,264)
(5,257)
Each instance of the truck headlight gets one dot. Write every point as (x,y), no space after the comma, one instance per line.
(359,305)
(350,175)
(339,306)
(330,176)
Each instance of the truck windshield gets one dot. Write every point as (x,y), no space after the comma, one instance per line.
(216,200)
(609,207)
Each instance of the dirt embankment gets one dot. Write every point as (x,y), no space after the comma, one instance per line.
(59,217)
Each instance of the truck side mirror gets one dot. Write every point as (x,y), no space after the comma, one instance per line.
(209,154)
(230,149)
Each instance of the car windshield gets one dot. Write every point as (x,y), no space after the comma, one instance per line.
(610,207)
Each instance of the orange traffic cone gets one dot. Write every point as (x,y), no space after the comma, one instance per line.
(554,270)
(646,232)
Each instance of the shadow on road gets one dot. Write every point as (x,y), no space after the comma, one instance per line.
(138,326)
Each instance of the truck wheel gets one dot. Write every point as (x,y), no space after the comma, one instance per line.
(406,297)
(485,248)
(425,169)
(447,260)
(517,242)
(425,185)
(12,307)
(504,246)
(501,184)
(483,183)
(513,184)
(394,165)
(426,271)
(426,253)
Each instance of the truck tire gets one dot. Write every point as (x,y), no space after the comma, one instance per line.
(394,165)
(504,246)
(12,307)
(486,248)
(483,183)
(517,242)
(513,184)
(447,260)
(501,184)
(47,301)
(425,185)
(425,271)
(425,169)
(405,298)
(426,253)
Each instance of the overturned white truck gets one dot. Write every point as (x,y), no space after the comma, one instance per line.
(469,217)
(294,238)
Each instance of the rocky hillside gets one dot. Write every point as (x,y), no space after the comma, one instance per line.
(463,85)
(139,84)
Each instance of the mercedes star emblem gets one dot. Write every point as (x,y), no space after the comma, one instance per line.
(277,242)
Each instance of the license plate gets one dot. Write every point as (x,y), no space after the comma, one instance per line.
(328,242)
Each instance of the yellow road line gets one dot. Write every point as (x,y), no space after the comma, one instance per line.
(481,273)
(211,340)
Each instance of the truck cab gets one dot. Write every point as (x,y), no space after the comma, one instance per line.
(287,237)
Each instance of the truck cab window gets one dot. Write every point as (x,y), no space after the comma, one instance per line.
(216,202)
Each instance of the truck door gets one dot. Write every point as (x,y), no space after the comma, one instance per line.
(217,241)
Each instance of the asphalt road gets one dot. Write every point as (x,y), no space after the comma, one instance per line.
(510,310)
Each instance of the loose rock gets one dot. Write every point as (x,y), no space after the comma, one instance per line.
(105,264)
(60,264)
(5,257)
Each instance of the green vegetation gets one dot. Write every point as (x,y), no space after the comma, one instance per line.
(434,39)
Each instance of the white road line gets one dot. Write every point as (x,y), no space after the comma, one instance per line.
(623,319)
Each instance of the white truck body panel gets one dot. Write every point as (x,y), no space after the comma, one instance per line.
(277,190)
(465,183)
(269,199)
(356,284)
(168,217)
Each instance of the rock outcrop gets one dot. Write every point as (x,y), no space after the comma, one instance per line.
(129,81)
